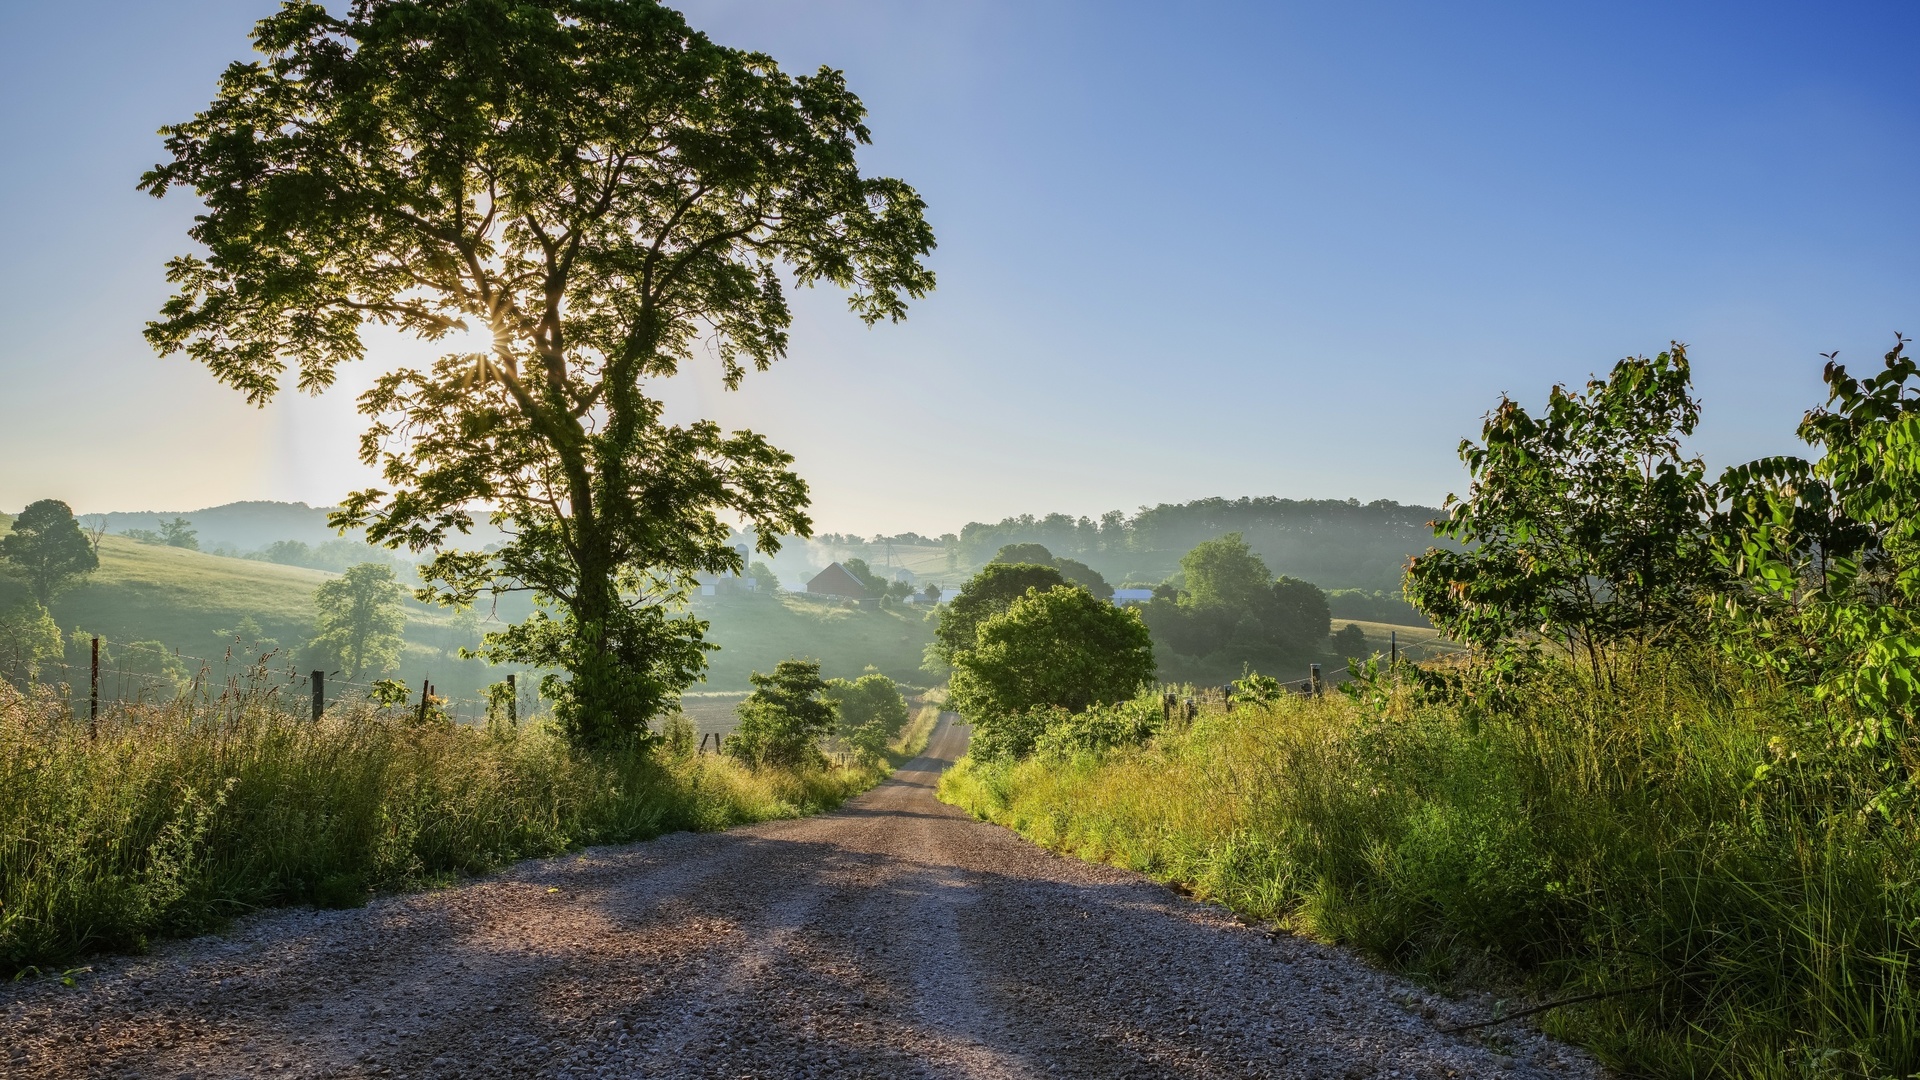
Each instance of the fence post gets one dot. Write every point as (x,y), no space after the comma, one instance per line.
(425,689)
(93,697)
(513,702)
(1313,679)
(1393,645)
(1193,710)
(319,694)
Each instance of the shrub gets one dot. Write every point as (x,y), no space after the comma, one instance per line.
(784,719)
(1098,729)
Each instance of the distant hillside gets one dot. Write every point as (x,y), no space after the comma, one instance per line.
(756,631)
(242,525)
(191,601)
(249,526)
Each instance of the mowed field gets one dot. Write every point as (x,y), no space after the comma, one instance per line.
(1416,642)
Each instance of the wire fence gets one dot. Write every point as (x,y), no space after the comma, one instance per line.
(98,673)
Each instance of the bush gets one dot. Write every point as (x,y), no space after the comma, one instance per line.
(784,719)
(1098,729)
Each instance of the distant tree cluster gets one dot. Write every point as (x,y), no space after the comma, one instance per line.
(1231,614)
(1342,543)
(43,552)
(876,585)
(870,713)
(1073,570)
(763,577)
(335,556)
(175,532)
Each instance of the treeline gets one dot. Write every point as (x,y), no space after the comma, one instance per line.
(1336,544)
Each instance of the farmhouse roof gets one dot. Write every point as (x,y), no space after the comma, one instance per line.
(837,580)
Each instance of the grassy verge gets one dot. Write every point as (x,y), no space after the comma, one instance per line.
(1742,884)
(175,818)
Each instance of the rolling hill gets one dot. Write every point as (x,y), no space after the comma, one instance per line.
(193,602)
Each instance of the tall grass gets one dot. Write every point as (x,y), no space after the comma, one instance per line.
(173,818)
(1741,882)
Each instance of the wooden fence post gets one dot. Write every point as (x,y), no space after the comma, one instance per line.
(93,698)
(1393,646)
(319,695)
(426,689)
(513,701)
(1313,679)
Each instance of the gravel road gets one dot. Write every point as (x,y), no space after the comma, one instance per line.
(895,937)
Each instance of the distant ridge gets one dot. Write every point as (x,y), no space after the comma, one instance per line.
(255,523)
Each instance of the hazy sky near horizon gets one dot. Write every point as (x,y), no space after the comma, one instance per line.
(1185,250)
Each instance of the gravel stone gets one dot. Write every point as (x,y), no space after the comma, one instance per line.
(895,937)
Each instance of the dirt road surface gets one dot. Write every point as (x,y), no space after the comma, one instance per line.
(893,938)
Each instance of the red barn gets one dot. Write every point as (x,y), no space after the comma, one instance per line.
(835,580)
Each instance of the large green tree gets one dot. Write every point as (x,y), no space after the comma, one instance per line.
(607,196)
(988,593)
(1055,648)
(47,548)
(360,620)
(1585,526)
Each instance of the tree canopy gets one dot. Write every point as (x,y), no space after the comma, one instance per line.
(359,620)
(1059,648)
(1586,524)
(1073,570)
(986,594)
(605,195)
(47,548)
(871,713)
(784,719)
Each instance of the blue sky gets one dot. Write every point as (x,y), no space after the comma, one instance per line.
(1185,250)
